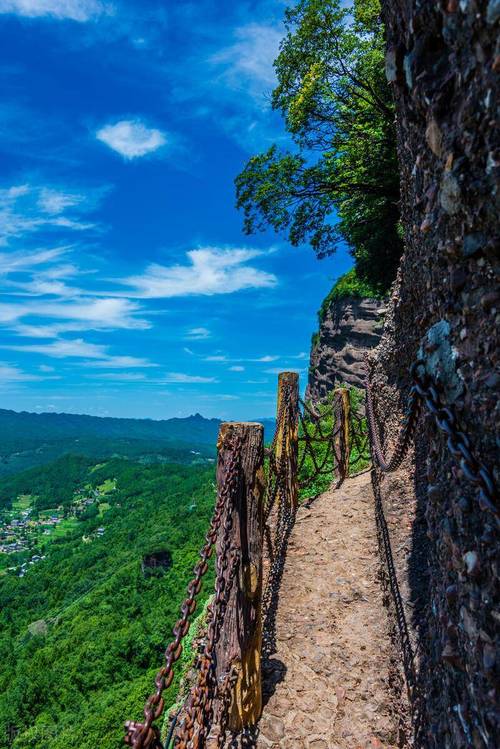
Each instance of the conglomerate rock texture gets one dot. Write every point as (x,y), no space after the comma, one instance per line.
(350,327)
(443,60)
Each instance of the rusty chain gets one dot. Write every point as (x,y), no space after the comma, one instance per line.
(457,441)
(146,735)
(425,392)
(333,461)
(199,712)
(412,412)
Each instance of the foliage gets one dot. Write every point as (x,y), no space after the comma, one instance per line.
(359,457)
(102,625)
(350,284)
(338,109)
(52,485)
(30,439)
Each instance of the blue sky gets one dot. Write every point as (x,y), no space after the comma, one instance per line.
(128,287)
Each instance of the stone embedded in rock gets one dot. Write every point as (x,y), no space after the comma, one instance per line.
(434,138)
(472,243)
(449,194)
(493,11)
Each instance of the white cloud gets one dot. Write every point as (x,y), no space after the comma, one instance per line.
(119,376)
(13,262)
(55,201)
(216,357)
(63,348)
(247,64)
(9,373)
(120,362)
(26,209)
(131,138)
(180,377)
(81,314)
(211,271)
(266,359)
(96,354)
(198,334)
(75,10)
(236,368)
(279,370)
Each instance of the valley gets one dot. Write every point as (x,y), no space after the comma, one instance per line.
(80,609)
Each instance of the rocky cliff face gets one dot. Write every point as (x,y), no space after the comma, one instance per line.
(350,327)
(443,62)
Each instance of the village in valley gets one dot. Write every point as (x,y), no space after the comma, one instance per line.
(26,532)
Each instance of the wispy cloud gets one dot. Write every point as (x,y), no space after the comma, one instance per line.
(211,270)
(26,209)
(10,373)
(132,138)
(74,10)
(197,334)
(78,315)
(236,368)
(96,354)
(13,262)
(118,376)
(265,359)
(186,378)
(279,370)
(247,63)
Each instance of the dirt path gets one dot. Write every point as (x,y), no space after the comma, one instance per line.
(328,686)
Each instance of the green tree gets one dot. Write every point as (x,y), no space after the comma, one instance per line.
(341,181)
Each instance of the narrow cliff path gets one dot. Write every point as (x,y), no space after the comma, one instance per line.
(330,684)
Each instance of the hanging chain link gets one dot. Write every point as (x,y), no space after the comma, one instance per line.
(199,713)
(412,412)
(146,735)
(457,441)
(335,459)
(425,392)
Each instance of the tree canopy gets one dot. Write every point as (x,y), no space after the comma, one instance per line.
(340,183)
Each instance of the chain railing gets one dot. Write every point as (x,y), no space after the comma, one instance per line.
(424,394)
(254,514)
(253,517)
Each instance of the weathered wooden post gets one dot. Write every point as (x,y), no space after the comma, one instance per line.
(342,437)
(240,642)
(287,443)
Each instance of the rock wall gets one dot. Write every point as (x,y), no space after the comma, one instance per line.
(350,327)
(443,61)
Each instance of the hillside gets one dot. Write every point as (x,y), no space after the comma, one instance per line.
(31,439)
(84,620)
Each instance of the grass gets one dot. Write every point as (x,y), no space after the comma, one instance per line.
(108,486)
(359,458)
(103,507)
(97,467)
(22,502)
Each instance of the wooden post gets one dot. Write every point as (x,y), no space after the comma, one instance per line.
(341,408)
(287,444)
(240,642)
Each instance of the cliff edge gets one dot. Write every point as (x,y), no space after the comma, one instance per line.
(349,326)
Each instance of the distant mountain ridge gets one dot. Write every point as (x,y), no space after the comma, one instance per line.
(29,439)
(62,425)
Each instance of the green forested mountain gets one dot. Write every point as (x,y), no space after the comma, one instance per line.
(82,632)
(53,426)
(30,439)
